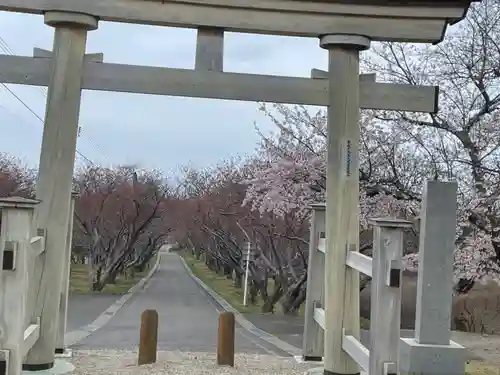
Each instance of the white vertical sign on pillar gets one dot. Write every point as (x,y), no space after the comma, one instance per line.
(342,199)
(55,175)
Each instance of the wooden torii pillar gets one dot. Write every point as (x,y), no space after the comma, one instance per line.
(55,175)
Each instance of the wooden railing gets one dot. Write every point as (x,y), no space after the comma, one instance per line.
(18,252)
(389,353)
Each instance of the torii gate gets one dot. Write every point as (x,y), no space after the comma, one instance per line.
(343,27)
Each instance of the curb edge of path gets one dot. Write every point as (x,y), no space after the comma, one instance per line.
(74,337)
(240,319)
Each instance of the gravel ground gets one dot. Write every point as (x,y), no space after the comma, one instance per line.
(114,362)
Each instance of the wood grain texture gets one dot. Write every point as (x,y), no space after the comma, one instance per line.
(148,341)
(342,207)
(210,49)
(54,184)
(280,17)
(63,306)
(313,340)
(89,57)
(216,85)
(225,339)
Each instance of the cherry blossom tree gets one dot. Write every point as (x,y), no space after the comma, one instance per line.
(461,142)
(119,219)
(214,223)
(399,150)
(16,179)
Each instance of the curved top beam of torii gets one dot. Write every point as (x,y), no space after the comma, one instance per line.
(390,20)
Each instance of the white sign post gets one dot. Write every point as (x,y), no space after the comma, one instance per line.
(247,271)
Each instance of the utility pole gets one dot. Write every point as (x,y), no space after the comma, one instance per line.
(245,289)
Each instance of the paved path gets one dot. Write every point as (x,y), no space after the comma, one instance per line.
(187,317)
(83,309)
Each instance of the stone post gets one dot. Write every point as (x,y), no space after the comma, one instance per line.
(63,307)
(342,200)
(55,174)
(432,352)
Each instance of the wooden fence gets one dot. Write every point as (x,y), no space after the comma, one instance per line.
(430,351)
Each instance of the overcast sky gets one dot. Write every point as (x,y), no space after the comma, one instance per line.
(152,131)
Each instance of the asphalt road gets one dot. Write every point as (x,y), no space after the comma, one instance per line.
(83,309)
(187,317)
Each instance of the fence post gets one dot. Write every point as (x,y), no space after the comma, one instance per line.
(63,306)
(15,236)
(385,315)
(225,339)
(313,341)
(148,340)
(434,288)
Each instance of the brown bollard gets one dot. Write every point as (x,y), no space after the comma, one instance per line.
(148,337)
(225,342)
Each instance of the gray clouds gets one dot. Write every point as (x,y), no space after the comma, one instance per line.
(153,131)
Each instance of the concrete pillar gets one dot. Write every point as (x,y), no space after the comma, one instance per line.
(342,200)
(55,174)
(432,352)
(63,307)
(435,272)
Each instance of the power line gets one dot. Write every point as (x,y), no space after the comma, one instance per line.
(5,47)
(38,117)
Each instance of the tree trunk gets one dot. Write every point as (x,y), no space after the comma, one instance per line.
(228,272)
(294,296)
(237,279)
(292,301)
(108,276)
(267,307)
(197,254)
(97,285)
(254,293)
(276,295)
(112,280)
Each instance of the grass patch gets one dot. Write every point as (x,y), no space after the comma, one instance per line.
(219,283)
(79,282)
(226,289)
